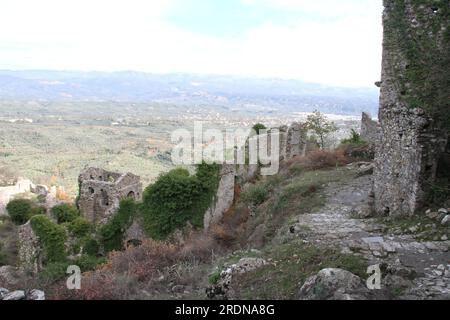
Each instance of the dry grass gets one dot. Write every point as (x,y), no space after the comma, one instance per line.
(321,159)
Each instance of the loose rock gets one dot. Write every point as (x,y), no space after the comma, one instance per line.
(15,295)
(333,284)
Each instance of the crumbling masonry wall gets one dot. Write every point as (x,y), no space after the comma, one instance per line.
(101,192)
(30,250)
(414,103)
(292,143)
(370,129)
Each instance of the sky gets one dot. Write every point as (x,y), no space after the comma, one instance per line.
(336,42)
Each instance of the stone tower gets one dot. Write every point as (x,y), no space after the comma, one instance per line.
(101,192)
(414,105)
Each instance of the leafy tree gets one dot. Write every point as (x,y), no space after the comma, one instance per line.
(20,210)
(320,126)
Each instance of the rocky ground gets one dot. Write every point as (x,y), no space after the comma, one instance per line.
(412,254)
(413,267)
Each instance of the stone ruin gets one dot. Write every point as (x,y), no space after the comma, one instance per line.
(101,192)
(370,129)
(100,195)
(30,249)
(293,141)
(414,105)
(292,144)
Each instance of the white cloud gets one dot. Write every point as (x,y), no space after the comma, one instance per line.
(132,35)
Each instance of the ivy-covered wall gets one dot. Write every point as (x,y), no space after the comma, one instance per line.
(414,104)
(417,37)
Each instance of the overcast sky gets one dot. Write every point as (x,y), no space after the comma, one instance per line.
(328,41)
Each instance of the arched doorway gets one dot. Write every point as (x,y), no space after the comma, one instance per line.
(131,195)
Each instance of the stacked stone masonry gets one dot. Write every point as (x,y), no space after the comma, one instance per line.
(101,192)
(413,137)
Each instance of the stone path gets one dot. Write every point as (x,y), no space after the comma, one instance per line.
(422,267)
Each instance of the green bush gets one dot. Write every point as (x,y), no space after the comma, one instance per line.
(178,198)
(91,247)
(112,233)
(255,194)
(65,213)
(79,227)
(88,263)
(52,237)
(54,272)
(37,211)
(19,210)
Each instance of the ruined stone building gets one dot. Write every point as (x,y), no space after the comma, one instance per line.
(370,129)
(414,105)
(101,192)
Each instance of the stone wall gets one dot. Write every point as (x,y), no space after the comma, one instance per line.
(224,198)
(30,251)
(370,129)
(296,141)
(413,113)
(292,143)
(101,192)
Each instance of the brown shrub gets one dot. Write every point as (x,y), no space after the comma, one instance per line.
(321,159)
(200,246)
(223,234)
(128,272)
(144,261)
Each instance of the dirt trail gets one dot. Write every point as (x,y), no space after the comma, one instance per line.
(428,262)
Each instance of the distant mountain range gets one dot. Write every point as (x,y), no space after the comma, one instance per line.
(185,89)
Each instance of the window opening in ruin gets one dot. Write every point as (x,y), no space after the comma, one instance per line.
(134,243)
(105,198)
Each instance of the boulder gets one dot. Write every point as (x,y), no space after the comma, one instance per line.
(333,284)
(36,295)
(3,292)
(222,289)
(15,295)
